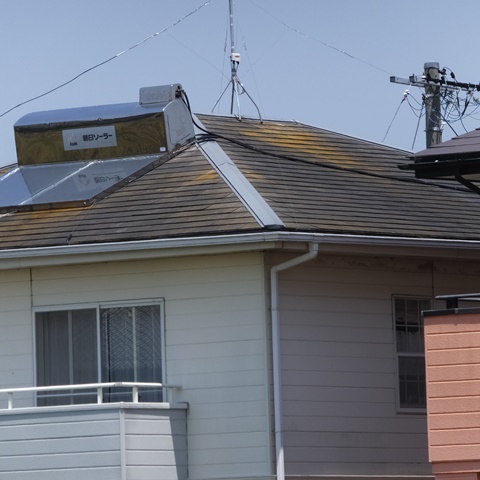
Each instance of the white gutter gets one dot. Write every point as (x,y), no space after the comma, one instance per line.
(142,249)
(236,239)
(277,382)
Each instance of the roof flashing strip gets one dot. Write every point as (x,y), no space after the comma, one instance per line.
(243,189)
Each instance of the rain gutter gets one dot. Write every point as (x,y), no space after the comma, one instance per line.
(276,354)
(24,257)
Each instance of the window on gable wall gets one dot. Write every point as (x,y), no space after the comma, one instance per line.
(99,345)
(408,322)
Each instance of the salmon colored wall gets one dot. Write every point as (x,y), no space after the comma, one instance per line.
(452,350)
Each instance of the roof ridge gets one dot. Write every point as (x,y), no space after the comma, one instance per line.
(238,183)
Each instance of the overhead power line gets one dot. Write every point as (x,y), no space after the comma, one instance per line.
(208,135)
(76,77)
(325,44)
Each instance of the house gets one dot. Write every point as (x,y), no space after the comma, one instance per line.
(451,344)
(242,304)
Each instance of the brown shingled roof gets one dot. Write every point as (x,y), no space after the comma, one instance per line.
(321,181)
(313,179)
(183,197)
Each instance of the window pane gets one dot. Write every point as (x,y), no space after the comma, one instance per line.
(131,349)
(411,371)
(409,324)
(66,353)
(148,350)
(117,351)
(84,353)
(52,355)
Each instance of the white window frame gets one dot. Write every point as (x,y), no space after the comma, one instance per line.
(397,354)
(97,306)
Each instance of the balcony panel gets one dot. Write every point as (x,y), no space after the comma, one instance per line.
(108,441)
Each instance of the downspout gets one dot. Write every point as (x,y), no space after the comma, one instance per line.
(277,383)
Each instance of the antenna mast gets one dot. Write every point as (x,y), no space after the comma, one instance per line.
(237,86)
(234,62)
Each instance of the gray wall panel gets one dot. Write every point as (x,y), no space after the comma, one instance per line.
(86,442)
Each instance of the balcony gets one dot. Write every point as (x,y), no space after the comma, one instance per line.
(122,440)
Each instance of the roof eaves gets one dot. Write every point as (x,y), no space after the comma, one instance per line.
(68,254)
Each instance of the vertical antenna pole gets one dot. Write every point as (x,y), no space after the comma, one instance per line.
(233,57)
(237,86)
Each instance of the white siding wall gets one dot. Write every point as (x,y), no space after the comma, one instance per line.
(155,444)
(93,442)
(338,362)
(58,445)
(16,338)
(215,346)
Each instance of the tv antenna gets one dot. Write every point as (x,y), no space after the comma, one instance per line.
(237,86)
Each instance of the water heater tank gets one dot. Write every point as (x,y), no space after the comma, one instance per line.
(158,123)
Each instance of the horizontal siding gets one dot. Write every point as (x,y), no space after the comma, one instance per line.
(249,425)
(359,423)
(227,456)
(205,352)
(156,444)
(181,278)
(87,442)
(453,382)
(54,461)
(16,336)
(454,389)
(353,395)
(16,447)
(70,444)
(233,440)
(215,343)
(105,473)
(339,366)
(330,349)
(148,472)
(362,468)
(217,471)
(470,356)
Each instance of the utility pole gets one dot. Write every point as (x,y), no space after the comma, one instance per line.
(433,84)
(433,114)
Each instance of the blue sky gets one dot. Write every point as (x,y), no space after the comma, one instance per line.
(322,62)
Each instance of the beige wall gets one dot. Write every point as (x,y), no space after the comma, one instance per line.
(339,367)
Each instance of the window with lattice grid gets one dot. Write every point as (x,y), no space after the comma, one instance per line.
(410,350)
(99,345)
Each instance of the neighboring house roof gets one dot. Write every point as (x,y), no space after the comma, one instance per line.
(313,180)
(450,160)
(463,146)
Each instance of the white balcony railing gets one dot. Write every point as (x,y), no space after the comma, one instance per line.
(99,387)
